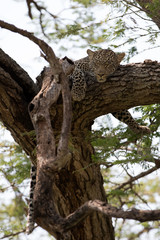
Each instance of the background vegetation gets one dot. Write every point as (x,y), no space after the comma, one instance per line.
(127,161)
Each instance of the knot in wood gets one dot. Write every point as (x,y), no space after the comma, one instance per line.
(39,117)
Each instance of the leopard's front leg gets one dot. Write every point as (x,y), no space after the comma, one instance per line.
(78,89)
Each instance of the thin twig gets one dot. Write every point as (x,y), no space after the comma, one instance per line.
(132,179)
(13,234)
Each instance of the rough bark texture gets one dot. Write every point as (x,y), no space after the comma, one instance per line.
(16,90)
(130,85)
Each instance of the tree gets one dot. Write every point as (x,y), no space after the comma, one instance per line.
(129,86)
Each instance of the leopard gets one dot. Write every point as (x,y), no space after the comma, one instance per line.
(102,64)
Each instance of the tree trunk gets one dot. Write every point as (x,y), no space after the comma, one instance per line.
(72,187)
(131,85)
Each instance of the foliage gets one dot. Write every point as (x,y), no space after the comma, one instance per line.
(121,154)
(118,151)
(120,24)
(14,170)
(124,157)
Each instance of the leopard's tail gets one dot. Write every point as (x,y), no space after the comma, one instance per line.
(30,217)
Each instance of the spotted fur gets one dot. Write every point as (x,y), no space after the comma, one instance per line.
(104,62)
(101,63)
(78,90)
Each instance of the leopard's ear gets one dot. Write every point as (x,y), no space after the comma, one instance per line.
(120,56)
(90,54)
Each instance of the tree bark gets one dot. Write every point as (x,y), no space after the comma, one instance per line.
(130,85)
(71,187)
(16,90)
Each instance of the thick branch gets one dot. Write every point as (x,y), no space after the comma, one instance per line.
(62,149)
(19,75)
(40,115)
(49,159)
(131,85)
(16,91)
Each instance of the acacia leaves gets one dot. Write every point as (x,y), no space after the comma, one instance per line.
(127,161)
(115,24)
(14,169)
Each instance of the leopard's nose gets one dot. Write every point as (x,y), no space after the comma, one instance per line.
(101,75)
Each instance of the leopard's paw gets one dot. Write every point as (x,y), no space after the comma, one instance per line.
(144,130)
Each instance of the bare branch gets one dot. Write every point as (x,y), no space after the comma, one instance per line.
(67,117)
(99,206)
(49,159)
(62,225)
(47,50)
(13,234)
(29,8)
(38,7)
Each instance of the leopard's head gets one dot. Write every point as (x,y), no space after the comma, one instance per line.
(104,62)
